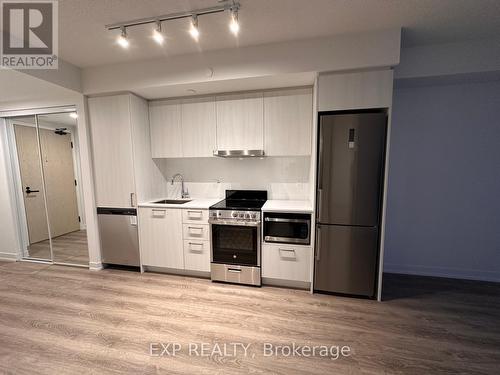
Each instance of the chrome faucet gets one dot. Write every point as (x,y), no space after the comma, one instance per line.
(184,192)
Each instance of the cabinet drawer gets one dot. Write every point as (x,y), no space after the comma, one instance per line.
(195,216)
(286,262)
(196,231)
(197,255)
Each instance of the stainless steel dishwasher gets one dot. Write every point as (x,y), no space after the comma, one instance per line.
(119,238)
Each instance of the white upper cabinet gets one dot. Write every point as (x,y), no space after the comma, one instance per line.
(358,90)
(198,119)
(112,150)
(124,172)
(240,121)
(288,122)
(166,130)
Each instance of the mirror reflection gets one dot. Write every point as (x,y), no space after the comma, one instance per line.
(49,174)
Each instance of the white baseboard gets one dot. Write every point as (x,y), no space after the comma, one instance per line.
(94,266)
(455,273)
(8,256)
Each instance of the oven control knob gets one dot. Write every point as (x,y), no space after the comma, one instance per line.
(247,216)
(234,214)
(254,216)
(242,215)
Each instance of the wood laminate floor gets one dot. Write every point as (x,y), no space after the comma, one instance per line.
(69,248)
(64,320)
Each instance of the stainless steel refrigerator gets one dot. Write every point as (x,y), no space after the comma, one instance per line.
(349,202)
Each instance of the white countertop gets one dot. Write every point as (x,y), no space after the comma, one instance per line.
(197,203)
(274,205)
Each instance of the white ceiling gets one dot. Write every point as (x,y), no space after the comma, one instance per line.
(85,42)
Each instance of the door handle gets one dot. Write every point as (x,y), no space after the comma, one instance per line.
(29,191)
(132,195)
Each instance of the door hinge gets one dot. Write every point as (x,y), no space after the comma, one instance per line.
(76,183)
(79,219)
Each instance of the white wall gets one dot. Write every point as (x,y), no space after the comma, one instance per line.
(368,50)
(282,177)
(443,209)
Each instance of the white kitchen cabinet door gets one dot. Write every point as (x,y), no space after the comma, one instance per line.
(240,121)
(109,118)
(286,262)
(160,237)
(288,122)
(198,120)
(197,255)
(166,130)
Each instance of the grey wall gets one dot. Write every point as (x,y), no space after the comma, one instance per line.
(443,208)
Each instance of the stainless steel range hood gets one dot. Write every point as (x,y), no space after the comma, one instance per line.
(239,153)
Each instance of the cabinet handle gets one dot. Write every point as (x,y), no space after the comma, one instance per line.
(234,270)
(288,251)
(195,228)
(157,212)
(132,199)
(198,250)
(199,213)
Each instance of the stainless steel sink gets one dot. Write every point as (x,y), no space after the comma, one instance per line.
(173,201)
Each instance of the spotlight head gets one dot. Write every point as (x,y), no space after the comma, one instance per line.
(157,33)
(195,33)
(234,24)
(122,39)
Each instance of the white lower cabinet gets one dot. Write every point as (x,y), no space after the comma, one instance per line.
(175,238)
(286,262)
(196,234)
(160,237)
(197,255)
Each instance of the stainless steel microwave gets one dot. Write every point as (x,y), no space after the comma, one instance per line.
(287,228)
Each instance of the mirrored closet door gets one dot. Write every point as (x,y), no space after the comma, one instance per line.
(48,175)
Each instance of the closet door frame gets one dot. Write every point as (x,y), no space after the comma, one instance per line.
(16,183)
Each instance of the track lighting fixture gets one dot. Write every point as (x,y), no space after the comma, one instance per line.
(234,24)
(195,33)
(157,33)
(159,37)
(122,39)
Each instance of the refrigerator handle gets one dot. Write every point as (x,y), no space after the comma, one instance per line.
(318,242)
(319,203)
(320,161)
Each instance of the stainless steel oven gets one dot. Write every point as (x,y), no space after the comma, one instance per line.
(236,249)
(236,228)
(287,228)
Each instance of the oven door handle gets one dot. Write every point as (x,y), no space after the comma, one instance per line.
(281,220)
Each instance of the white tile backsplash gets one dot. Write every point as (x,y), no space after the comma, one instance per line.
(283,177)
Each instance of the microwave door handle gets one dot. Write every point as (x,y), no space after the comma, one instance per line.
(282,220)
